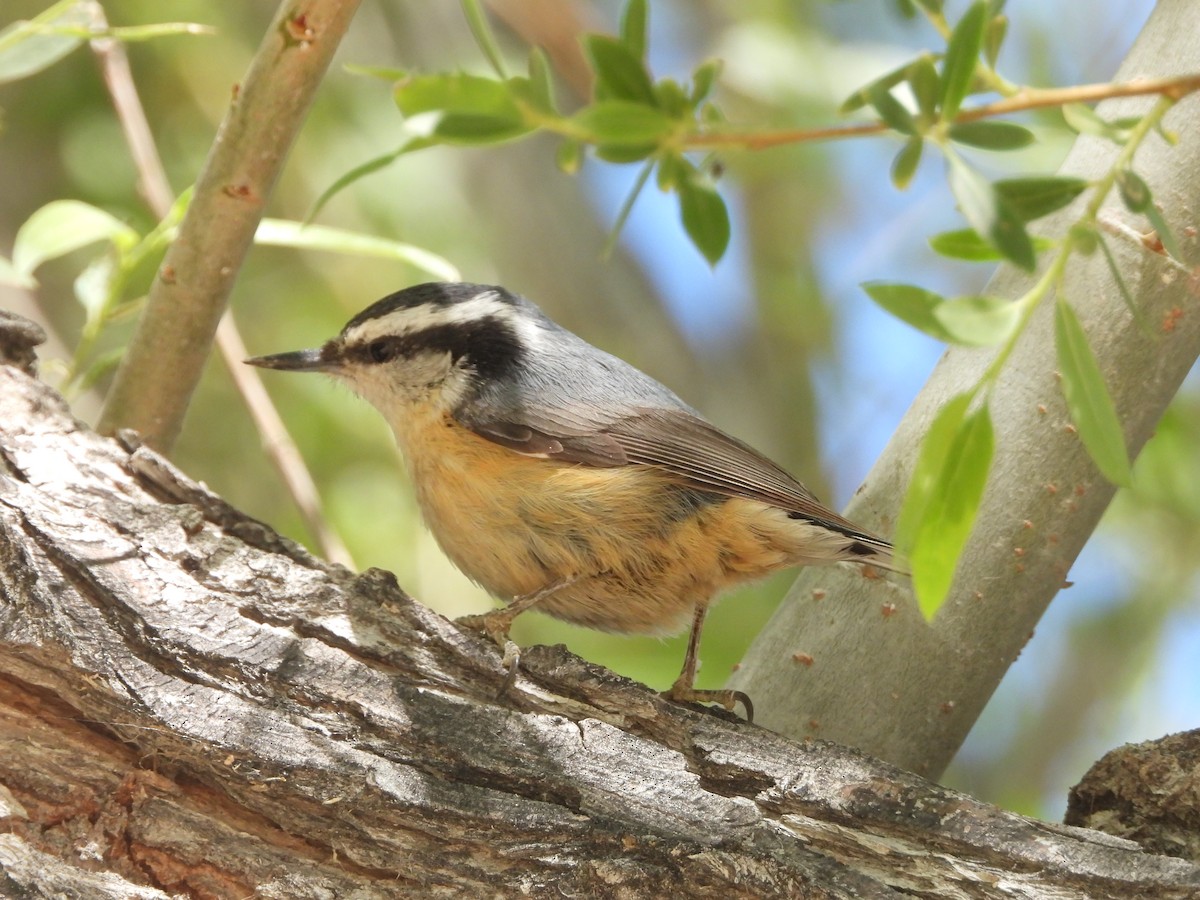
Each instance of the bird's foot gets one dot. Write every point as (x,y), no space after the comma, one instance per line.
(684,693)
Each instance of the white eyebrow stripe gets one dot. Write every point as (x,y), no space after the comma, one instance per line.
(415,319)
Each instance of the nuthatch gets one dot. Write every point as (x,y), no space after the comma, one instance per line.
(558,476)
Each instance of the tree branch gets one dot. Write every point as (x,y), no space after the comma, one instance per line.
(171,344)
(191,704)
(1044,497)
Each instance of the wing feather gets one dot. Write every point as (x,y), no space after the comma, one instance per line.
(677,442)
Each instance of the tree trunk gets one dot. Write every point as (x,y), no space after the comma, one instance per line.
(191,704)
(883,679)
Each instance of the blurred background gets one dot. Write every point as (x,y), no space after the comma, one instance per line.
(777,344)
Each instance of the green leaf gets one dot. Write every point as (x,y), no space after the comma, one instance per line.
(1114,270)
(931,459)
(474,110)
(63,226)
(1085,120)
(862,96)
(911,304)
(1135,193)
(966,244)
(1088,399)
(989,214)
(978,321)
(620,75)
(28,47)
(617,122)
(704,78)
(705,217)
(362,171)
(457,93)
(671,98)
(894,114)
(993,38)
(95,289)
(477,20)
(962,55)
(634,24)
(569,156)
(904,166)
(925,83)
(282,233)
(992,135)
(541,85)
(1032,198)
(1163,230)
(133,33)
(955,476)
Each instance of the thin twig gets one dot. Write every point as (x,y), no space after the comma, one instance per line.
(1029,98)
(171,344)
(156,190)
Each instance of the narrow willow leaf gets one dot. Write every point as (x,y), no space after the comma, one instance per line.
(862,96)
(569,156)
(620,123)
(992,135)
(482,32)
(993,38)
(1115,271)
(705,217)
(893,113)
(962,55)
(671,98)
(95,289)
(925,84)
(1165,234)
(1032,198)
(620,74)
(904,166)
(634,24)
(134,33)
(627,207)
(966,244)
(474,110)
(931,459)
(1088,399)
(1085,120)
(951,509)
(26,47)
(704,78)
(988,214)
(62,226)
(362,171)
(282,233)
(910,304)
(541,85)
(978,321)
(1135,193)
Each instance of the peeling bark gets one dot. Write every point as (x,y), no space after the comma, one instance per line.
(191,704)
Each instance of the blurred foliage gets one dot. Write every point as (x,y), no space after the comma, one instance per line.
(780,361)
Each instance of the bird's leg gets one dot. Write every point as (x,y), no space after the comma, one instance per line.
(683,690)
(497,623)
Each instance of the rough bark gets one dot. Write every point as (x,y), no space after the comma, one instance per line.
(191,704)
(1147,792)
(909,691)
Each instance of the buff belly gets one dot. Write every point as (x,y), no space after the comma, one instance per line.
(635,551)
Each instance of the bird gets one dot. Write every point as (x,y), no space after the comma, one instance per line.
(562,478)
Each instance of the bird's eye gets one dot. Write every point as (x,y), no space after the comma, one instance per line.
(383,350)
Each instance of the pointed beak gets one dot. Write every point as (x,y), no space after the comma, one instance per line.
(296,361)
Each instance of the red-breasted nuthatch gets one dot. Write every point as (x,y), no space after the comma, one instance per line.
(556,475)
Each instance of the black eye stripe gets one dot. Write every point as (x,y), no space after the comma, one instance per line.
(489,345)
